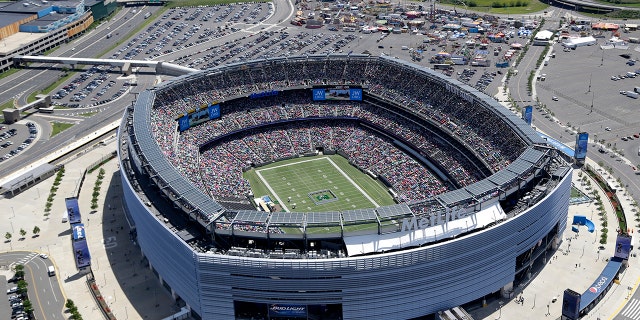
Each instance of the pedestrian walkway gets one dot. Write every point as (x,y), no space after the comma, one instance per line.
(130,288)
(574,265)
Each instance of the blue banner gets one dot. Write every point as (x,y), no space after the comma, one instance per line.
(355,94)
(601,285)
(81,253)
(263,94)
(78,231)
(571,304)
(214,111)
(582,141)
(183,123)
(318,95)
(73,210)
(528,114)
(623,246)
(288,310)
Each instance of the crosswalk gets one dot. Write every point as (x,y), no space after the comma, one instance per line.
(631,310)
(24,260)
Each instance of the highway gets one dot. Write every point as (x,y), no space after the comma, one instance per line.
(44,291)
(23,83)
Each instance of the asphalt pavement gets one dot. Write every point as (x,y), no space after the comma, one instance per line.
(43,290)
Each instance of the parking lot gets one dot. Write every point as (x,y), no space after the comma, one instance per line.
(16,138)
(205,37)
(13,305)
(597,96)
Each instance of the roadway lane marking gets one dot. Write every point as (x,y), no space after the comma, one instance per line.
(55,297)
(36,291)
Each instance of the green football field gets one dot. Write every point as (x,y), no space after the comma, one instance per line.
(322,183)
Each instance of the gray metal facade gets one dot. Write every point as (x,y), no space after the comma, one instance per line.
(397,285)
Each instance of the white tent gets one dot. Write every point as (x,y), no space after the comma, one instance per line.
(579,42)
(544,35)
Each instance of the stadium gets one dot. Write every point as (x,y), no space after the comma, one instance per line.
(336,187)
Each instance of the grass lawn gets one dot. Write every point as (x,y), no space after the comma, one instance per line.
(500,6)
(88,114)
(575,193)
(322,183)
(59,127)
(8,104)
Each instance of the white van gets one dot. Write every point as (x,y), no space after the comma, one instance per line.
(51,271)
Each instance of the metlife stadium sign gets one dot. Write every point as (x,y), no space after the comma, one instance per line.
(433,220)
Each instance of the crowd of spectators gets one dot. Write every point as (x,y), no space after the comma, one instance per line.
(217,170)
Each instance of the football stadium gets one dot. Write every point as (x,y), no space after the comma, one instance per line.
(336,187)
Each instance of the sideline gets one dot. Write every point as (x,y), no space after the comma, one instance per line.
(353,183)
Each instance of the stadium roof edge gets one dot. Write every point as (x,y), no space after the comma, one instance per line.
(213,210)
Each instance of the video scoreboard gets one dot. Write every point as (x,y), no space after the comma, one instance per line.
(198,116)
(337,93)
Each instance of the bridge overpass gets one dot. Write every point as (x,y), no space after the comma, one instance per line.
(160,67)
(587,5)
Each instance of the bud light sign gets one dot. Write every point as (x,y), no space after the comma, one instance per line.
(287,310)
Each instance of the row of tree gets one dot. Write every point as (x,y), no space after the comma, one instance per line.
(22,289)
(36,232)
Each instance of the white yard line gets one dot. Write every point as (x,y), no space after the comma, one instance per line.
(316,159)
(352,182)
(275,195)
(292,164)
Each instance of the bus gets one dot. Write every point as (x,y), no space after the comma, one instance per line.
(442,66)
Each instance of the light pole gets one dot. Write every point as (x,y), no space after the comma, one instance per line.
(14,212)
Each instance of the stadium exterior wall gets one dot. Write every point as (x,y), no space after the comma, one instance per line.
(398,285)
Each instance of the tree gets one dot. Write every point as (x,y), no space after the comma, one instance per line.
(18,267)
(22,232)
(69,304)
(22,287)
(36,230)
(7,236)
(28,307)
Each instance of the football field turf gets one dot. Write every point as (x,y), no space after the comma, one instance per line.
(322,183)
